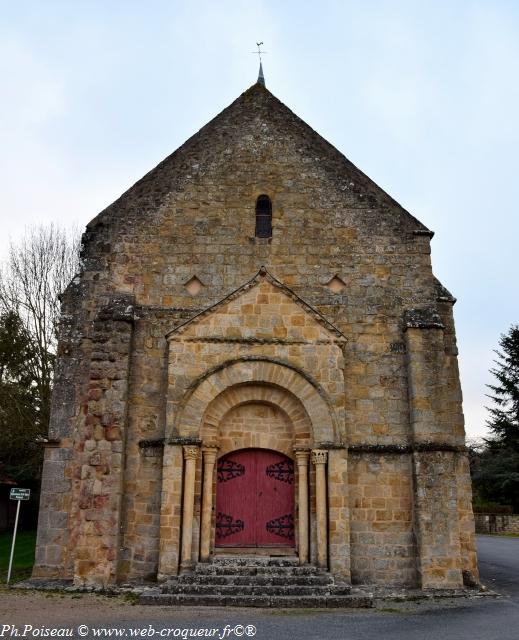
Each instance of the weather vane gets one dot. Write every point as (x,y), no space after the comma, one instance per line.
(259,52)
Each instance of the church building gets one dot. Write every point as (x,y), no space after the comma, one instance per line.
(256,361)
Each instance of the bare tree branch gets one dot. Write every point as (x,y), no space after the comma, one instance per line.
(36,272)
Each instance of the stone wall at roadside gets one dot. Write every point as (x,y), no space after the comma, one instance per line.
(496,522)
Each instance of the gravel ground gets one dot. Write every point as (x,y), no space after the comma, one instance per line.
(20,607)
(446,619)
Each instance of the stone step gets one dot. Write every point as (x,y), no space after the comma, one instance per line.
(256,590)
(259,581)
(273,552)
(214,569)
(275,580)
(255,561)
(281,602)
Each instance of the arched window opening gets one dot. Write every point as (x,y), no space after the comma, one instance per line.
(263,217)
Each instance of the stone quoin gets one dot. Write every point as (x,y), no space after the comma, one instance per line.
(256,358)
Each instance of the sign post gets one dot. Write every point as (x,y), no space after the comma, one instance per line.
(18,495)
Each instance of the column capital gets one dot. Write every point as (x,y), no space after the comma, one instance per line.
(319,456)
(191,452)
(209,453)
(302,456)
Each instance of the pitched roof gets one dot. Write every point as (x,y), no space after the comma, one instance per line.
(256,103)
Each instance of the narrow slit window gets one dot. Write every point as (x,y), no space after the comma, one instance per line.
(263,217)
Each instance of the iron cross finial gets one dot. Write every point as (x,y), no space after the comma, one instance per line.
(259,52)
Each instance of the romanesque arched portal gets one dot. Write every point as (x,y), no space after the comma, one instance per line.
(250,409)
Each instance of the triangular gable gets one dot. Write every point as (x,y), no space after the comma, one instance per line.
(261,309)
(154,188)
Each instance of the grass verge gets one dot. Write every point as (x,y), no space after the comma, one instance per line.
(23,555)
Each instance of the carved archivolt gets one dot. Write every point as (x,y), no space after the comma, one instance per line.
(242,381)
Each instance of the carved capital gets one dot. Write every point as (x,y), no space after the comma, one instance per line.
(319,456)
(191,453)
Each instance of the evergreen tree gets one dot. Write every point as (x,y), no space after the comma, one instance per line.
(495,476)
(20,405)
(504,416)
(495,465)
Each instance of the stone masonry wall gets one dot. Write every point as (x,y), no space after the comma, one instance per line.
(383,546)
(98,459)
(469,562)
(194,215)
(54,556)
(142,476)
(255,425)
(496,523)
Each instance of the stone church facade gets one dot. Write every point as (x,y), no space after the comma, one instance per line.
(257,358)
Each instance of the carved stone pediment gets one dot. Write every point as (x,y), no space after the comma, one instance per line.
(263,310)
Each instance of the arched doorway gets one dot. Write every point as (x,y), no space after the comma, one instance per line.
(250,403)
(255,499)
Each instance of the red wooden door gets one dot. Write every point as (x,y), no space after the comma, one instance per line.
(255,499)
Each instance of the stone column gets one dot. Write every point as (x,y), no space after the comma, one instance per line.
(302,495)
(191,454)
(319,457)
(209,454)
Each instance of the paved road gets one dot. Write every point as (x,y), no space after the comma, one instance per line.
(499,564)
(484,619)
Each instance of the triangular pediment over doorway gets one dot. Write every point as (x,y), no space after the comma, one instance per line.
(263,309)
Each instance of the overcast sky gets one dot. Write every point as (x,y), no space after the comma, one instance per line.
(423,96)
